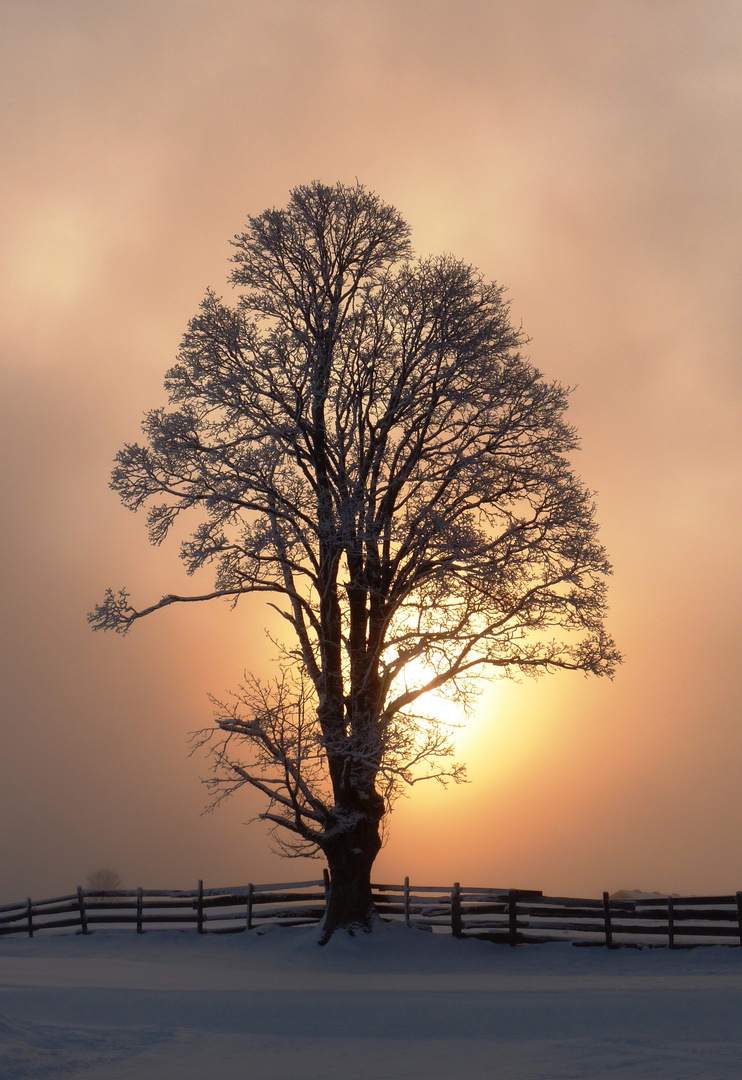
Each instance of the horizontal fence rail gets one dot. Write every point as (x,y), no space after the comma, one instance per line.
(506,916)
(226,910)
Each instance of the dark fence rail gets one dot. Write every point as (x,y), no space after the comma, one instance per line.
(206,910)
(507,916)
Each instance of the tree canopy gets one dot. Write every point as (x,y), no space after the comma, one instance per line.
(362,439)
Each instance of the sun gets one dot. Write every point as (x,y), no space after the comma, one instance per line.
(481,722)
(440,704)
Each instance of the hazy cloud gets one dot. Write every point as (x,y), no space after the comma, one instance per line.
(586,154)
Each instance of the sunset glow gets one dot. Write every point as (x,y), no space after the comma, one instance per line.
(586,157)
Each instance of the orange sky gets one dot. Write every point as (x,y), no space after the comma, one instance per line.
(586,155)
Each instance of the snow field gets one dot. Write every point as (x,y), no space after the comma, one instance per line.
(392,1005)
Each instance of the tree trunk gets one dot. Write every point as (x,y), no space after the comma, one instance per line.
(350,856)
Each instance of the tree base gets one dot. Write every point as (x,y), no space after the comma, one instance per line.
(350,905)
(352,929)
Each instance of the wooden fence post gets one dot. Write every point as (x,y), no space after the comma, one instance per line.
(81,905)
(200,908)
(607,920)
(512,917)
(248,911)
(140,911)
(739,915)
(407,901)
(29,916)
(671,922)
(326,883)
(456,910)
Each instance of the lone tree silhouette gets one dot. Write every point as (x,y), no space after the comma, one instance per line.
(369,448)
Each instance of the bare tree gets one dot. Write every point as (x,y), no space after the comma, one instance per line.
(367,446)
(103,880)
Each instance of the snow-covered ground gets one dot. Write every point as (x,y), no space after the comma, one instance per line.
(397,1005)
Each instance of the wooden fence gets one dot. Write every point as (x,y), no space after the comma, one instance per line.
(507,916)
(517,918)
(206,910)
